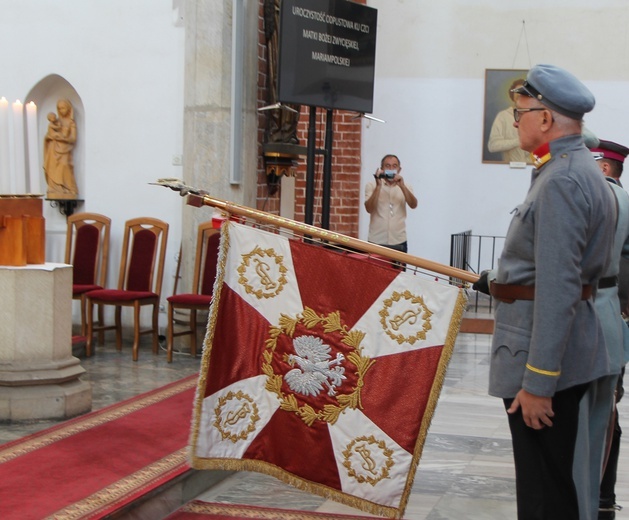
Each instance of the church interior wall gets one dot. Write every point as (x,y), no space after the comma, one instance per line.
(126,62)
(430,68)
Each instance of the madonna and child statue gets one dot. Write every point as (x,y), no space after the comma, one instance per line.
(58,147)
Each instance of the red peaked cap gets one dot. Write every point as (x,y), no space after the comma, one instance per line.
(611,150)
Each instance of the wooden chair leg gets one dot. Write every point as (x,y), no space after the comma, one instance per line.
(90,325)
(169,334)
(136,330)
(118,314)
(156,327)
(83,303)
(101,323)
(193,332)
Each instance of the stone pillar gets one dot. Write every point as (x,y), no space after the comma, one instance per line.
(207,111)
(39,377)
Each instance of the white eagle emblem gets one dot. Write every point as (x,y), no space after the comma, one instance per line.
(316,369)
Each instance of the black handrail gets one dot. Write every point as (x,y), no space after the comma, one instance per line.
(475,253)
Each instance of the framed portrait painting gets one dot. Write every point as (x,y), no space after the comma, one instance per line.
(500,137)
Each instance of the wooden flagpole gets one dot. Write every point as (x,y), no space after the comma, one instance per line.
(198,198)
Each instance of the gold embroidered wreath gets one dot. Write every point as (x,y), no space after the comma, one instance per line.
(423,313)
(330,323)
(385,452)
(247,262)
(253,416)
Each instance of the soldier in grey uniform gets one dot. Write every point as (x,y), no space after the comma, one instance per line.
(548,343)
(597,408)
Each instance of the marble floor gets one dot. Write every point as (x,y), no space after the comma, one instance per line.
(466,470)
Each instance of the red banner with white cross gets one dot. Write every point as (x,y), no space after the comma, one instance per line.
(321,368)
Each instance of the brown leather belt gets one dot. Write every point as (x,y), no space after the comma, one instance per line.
(508,293)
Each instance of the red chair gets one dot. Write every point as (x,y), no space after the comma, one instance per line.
(206,258)
(139,281)
(87,250)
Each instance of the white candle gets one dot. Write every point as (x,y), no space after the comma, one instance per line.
(33,148)
(5,169)
(18,147)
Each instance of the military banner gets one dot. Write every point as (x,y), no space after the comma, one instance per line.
(321,369)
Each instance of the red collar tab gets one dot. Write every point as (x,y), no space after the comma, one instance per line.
(541,155)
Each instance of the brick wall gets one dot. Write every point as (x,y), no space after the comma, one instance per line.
(346,166)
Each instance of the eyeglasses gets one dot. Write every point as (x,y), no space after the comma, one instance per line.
(518,111)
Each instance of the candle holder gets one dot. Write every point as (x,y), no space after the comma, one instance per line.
(66,206)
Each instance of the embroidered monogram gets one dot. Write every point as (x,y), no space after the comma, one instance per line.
(368,460)
(405,317)
(236,416)
(262,273)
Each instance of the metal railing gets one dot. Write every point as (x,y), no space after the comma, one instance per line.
(475,253)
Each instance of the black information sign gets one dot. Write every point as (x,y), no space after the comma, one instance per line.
(327,54)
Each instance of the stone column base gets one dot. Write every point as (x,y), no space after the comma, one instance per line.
(48,401)
(39,377)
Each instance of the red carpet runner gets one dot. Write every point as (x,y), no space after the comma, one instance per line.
(197,510)
(95,464)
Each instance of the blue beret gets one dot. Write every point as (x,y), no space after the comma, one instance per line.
(559,90)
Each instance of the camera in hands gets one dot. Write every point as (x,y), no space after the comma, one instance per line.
(388,174)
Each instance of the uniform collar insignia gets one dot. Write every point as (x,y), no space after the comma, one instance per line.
(541,155)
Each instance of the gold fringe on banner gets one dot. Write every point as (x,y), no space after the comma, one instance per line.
(446,354)
(453,275)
